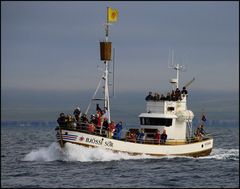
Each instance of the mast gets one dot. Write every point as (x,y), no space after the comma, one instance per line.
(106,91)
(106,56)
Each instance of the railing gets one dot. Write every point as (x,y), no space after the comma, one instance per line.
(198,139)
(98,131)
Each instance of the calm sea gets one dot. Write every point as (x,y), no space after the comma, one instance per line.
(31,158)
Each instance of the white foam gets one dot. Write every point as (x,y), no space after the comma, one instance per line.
(73,152)
(221,153)
(51,153)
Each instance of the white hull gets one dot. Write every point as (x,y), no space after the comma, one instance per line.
(195,149)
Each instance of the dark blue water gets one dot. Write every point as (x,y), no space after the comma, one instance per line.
(30,157)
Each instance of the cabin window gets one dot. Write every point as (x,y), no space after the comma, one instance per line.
(156,121)
(170,109)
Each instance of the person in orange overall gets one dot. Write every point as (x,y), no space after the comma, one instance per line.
(111,128)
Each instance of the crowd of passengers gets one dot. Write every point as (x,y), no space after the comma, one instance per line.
(99,124)
(175,95)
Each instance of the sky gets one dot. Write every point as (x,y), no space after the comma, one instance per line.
(53,47)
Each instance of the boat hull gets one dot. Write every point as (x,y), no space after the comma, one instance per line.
(195,149)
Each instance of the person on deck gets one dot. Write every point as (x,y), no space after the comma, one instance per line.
(162,97)
(106,114)
(99,121)
(157,137)
(132,136)
(178,94)
(62,120)
(84,121)
(111,128)
(184,91)
(118,130)
(77,114)
(149,96)
(200,132)
(156,97)
(105,126)
(98,109)
(91,128)
(94,119)
(141,136)
(163,137)
(173,96)
(168,97)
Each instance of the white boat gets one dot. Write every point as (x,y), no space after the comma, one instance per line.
(164,115)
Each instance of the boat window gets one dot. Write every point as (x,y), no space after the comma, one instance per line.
(156,121)
(170,109)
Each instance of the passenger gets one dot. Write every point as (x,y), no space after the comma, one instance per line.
(93,119)
(141,136)
(106,113)
(156,97)
(184,91)
(163,137)
(202,131)
(98,109)
(70,121)
(136,133)
(132,136)
(62,120)
(118,130)
(111,128)
(77,114)
(173,96)
(84,118)
(162,97)
(115,134)
(157,137)
(99,115)
(178,94)
(91,128)
(149,96)
(168,98)
(84,121)
(199,134)
(105,126)
(100,120)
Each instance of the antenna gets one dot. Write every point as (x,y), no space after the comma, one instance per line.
(177,67)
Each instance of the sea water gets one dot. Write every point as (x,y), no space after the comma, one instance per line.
(31,158)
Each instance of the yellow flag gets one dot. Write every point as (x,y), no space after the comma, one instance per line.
(112,14)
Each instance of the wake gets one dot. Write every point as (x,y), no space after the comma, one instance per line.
(73,152)
(221,153)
